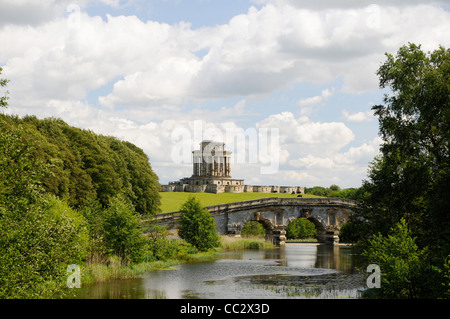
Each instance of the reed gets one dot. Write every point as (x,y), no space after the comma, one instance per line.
(99,272)
(239,243)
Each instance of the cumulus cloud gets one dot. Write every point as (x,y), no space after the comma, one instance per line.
(358,117)
(255,53)
(348,4)
(316,99)
(307,135)
(340,167)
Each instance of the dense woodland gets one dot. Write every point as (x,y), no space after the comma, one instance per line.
(79,166)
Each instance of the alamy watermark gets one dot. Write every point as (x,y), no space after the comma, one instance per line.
(74,15)
(374,279)
(74,279)
(252,146)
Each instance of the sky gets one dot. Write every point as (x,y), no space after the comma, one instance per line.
(288,85)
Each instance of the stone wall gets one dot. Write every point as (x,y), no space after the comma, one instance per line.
(235,186)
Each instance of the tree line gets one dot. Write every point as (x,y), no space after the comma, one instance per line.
(79,166)
(335,191)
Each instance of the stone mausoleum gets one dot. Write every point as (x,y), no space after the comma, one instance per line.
(212,174)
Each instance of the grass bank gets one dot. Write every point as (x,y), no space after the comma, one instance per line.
(172,201)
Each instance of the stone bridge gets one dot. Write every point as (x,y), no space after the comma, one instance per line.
(327,214)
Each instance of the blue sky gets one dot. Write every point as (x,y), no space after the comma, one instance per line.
(199,13)
(148,71)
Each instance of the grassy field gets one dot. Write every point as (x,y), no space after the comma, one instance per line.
(172,201)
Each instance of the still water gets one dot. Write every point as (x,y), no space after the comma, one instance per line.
(293,271)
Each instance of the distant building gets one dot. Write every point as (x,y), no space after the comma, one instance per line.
(212,174)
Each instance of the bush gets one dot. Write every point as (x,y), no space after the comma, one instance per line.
(253,228)
(197,226)
(301,228)
(406,271)
(254,245)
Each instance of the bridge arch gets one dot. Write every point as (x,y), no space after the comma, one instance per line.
(266,222)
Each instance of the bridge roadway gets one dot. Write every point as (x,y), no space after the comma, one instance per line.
(275,213)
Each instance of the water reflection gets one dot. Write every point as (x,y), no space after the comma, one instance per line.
(294,271)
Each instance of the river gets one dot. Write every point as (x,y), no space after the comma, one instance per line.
(292,271)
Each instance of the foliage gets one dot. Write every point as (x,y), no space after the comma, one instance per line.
(406,271)
(197,226)
(349,233)
(83,166)
(3,83)
(409,180)
(301,228)
(121,230)
(334,191)
(39,234)
(253,228)
(54,181)
(159,247)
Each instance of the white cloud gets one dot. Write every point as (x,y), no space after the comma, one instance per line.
(255,53)
(316,99)
(155,73)
(308,136)
(358,117)
(343,169)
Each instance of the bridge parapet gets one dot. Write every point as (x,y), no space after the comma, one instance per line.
(283,201)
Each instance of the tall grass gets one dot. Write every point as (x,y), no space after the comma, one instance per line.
(239,243)
(99,272)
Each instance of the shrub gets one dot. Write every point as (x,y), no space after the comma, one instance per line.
(403,266)
(254,245)
(301,228)
(253,228)
(197,226)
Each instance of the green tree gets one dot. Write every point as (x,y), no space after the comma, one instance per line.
(121,230)
(409,180)
(253,228)
(301,228)
(197,226)
(317,190)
